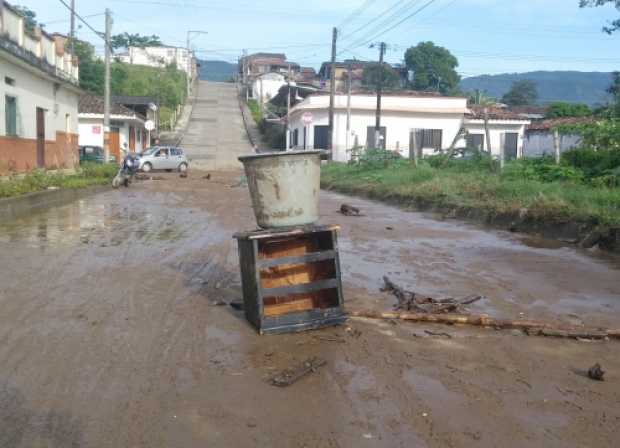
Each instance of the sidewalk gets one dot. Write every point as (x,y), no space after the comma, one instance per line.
(175,137)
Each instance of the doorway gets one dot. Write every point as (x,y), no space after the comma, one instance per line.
(511,144)
(115,143)
(40,137)
(321,134)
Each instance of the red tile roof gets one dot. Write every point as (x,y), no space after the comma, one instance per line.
(545,125)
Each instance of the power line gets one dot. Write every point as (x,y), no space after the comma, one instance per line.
(356,13)
(397,24)
(395,14)
(52,22)
(373,20)
(81,19)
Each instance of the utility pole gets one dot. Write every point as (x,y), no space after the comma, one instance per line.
(332,93)
(349,82)
(190,60)
(107,92)
(288,110)
(379,94)
(72,33)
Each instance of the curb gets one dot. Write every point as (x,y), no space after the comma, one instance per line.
(40,200)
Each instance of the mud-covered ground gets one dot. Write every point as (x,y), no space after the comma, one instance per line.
(110,335)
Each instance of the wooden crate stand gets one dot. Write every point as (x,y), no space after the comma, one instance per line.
(291,278)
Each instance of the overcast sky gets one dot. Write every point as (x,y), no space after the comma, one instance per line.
(487,36)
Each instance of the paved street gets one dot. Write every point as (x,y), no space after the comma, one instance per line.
(216,136)
(111,335)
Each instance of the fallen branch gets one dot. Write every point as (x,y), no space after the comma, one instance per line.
(412,301)
(290,376)
(532,327)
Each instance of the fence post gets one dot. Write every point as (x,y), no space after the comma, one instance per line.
(556,145)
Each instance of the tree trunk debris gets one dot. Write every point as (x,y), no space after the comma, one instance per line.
(412,301)
(291,376)
(531,327)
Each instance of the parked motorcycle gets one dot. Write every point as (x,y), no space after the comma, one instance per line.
(126,172)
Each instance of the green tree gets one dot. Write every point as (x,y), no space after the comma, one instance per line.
(92,70)
(613,25)
(126,40)
(30,17)
(434,67)
(614,90)
(522,93)
(372,72)
(480,98)
(562,109)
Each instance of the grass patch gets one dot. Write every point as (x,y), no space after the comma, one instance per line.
(477,188)
(89,174)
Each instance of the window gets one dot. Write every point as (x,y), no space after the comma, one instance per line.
(10,110)
(68,123)
(431,138)
(138,135)
(9,81)
(174,152)
(475,141)
(296,137)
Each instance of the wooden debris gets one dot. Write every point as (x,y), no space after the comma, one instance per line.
(291,376)
(412,301)
(596,373)
(532,327)
(349,210)
(432,333)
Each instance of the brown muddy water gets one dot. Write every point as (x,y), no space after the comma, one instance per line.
(109,335)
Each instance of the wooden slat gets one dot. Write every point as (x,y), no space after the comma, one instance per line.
(297,259)
(278,309)
(271,233)
(300,289)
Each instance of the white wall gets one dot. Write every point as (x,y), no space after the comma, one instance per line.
(157,57)
(31,92)
(271,84)
(89,136)
(496,129)
(537,144)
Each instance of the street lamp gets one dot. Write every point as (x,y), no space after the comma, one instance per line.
(189,58)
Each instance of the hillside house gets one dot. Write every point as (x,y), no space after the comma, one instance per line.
(254,65)
(436,119)
(506,129)
(266,86)
(540,136)
(341,73)
(126,126)
(38,98)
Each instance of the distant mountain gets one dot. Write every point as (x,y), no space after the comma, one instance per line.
(570,86)
(217,70)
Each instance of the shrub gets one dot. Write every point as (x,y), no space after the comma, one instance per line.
(377,158)
(593,163)
(471,159)
(543,170)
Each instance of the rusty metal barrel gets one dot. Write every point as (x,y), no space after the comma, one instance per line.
(284,187)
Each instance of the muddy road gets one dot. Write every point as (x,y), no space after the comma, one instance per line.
(110,335)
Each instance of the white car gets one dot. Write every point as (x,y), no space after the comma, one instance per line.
(163,158)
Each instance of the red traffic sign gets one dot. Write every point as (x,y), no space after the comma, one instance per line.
(307,118)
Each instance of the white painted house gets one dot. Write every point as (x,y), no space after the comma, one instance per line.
(157,57)
(126,126)
(265,87)
(38,98)
(438,120)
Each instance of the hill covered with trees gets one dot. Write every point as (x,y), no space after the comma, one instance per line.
(569,86)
